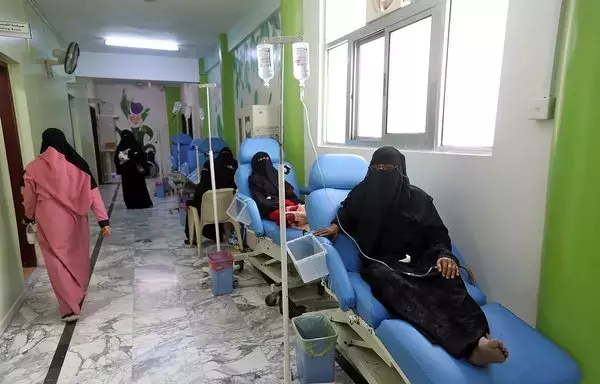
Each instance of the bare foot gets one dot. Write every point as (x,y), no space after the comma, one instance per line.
(488,351)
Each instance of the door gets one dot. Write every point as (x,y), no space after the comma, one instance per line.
(15,162)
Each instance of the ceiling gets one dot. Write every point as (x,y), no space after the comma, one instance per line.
(195,24)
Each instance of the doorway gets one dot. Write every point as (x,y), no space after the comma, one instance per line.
(15,162)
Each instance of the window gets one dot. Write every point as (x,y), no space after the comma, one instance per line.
(407,97)
(386,81)
(337,89)
(369,87)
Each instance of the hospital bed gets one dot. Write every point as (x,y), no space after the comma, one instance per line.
(262,236)
(387,350)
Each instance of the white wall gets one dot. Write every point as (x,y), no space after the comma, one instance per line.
(247,24)
(138,67)
(212,59)
(493,205)
(82,123)
(150,97)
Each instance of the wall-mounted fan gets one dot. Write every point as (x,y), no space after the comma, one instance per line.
(379,8)
(382,5)
(66,58)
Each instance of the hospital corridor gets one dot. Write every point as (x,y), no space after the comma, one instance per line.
(299,191)
(145,318)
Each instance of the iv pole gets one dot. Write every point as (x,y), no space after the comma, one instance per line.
(211,160)
(282,41)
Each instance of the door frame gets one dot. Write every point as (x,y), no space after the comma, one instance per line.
(94,120)
(15,167)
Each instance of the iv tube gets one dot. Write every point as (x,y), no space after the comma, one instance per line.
(301,62)
(264,54)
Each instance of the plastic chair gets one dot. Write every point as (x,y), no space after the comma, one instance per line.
(197,222)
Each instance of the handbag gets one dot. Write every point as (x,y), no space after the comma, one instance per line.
(31,233)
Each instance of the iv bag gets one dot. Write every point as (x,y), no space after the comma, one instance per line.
(301,62)
(264,54)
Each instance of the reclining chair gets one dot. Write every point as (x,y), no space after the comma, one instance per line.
(262,235)
(388,350)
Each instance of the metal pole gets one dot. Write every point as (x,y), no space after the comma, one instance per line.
(212,172)
(178,142)
(282,41)
(282,236)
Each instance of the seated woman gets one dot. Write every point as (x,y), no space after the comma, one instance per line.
(408,263)
(263,184)
(225,167)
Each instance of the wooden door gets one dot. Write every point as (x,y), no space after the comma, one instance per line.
(15,162)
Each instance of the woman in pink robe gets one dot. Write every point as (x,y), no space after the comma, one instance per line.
(58,190)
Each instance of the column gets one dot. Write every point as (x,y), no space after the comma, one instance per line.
(227,94)
(292,24)
(569,304)
(172,95)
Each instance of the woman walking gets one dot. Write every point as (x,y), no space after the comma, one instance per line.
(130,161)
(58,190)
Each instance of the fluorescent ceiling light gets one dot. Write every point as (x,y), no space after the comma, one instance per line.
(163,45)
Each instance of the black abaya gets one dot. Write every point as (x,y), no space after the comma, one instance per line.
(264,185)
(392,220)
(133,172)
(225,167)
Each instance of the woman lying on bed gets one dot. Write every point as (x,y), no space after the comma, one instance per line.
(408,263)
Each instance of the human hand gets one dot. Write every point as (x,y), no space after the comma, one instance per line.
(331,231)
(447,267)
(106,231)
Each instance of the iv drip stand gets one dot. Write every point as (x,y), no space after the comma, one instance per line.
(211,162)
(287,374)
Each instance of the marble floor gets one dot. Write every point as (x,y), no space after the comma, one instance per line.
(146,319)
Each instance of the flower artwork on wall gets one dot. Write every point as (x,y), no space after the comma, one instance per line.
(136,115)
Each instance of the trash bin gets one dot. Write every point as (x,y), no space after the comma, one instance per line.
(159,190)
(182,214)
(315,348)
(221,272)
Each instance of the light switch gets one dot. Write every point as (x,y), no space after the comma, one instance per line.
(542,108)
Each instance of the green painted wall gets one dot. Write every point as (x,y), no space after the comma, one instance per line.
(203,99)
(172,95)
(292,24)
(227,93)
(569,308)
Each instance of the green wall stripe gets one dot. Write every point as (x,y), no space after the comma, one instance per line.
(172,95)
(569,308)
(227,93)
(292,24)
(203,99)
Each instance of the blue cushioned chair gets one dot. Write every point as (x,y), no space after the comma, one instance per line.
(263,235)
(388,350)
(203,147)
(179,149)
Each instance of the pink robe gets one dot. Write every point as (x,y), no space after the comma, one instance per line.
(58,196)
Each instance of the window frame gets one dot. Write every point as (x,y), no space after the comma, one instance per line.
(385,26)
